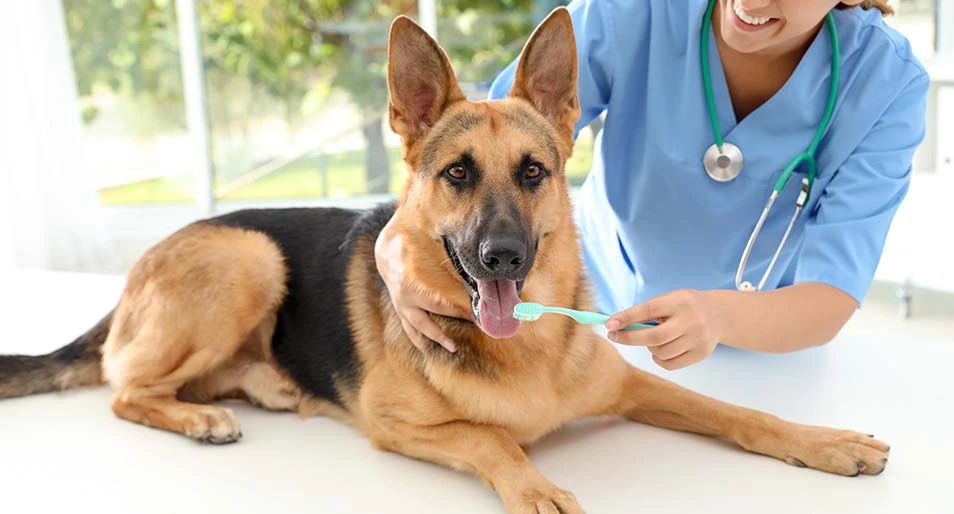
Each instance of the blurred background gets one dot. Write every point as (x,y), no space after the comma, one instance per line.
(125,119)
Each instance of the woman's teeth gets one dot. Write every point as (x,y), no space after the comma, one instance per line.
(751,20)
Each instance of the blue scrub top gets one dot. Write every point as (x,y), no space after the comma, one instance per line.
(652,221)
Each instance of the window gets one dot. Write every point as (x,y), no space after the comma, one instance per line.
(295,93)
(297,98)
(126,61)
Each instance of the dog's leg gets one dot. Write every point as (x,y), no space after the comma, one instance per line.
(149,372)
(156,407)
(250,375)
(412,420)
(185,316)
(488,452)
(649,399)
(258,382)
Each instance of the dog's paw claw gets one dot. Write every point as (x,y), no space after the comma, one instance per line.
(839,451)
(214,425)
(795,462)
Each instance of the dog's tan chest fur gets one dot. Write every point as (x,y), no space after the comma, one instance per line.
(532,385)
(527,408)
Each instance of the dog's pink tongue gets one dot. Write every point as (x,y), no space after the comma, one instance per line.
(497,300)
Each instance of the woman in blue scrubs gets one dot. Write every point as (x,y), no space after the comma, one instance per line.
(663,233)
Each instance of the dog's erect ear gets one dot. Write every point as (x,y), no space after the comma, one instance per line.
(421,82)
(546,74)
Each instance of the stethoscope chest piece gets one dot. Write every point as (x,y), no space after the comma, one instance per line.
(723,164)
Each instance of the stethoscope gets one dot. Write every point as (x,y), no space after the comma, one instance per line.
(723,160)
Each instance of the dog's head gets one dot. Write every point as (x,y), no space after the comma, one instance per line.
(487,190)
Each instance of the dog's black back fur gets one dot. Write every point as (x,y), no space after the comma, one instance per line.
(312,340)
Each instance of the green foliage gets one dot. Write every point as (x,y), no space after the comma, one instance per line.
(272,45)
(287,49)
(268,58)
(481,38)
(131,48)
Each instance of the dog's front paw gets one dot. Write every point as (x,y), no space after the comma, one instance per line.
(838,451)
(214,425)
(542,498)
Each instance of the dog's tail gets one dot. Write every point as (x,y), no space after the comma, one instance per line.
(74,365)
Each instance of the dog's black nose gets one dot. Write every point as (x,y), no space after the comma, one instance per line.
(503,255)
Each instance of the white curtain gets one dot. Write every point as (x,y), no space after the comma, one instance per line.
(49,212)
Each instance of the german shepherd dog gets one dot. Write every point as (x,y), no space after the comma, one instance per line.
(285,308)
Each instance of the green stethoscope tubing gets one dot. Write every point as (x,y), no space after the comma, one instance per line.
(807,156)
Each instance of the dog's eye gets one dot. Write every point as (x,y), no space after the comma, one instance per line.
(534,171)
(457,172)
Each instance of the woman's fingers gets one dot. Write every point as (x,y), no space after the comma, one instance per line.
(653,310)
(687,359)
(427,328)
(672,349)
(431,304)
(413,334)
(653,336)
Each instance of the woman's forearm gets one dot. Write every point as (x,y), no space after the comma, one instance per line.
(783,320)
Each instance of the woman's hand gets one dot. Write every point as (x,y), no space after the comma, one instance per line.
(689,328)
(411,303)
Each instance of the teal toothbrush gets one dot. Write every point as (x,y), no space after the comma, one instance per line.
(531,311)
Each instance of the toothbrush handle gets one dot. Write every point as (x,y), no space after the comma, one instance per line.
(587,318)
(638,326)
(595,318)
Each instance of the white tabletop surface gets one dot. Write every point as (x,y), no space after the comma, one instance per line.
(68,453)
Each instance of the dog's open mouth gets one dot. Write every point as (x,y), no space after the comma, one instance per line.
(492,300)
